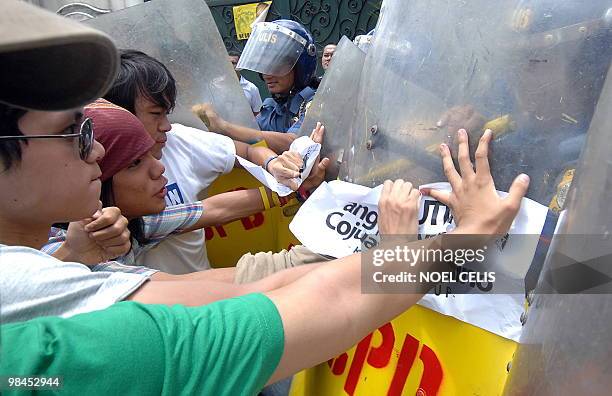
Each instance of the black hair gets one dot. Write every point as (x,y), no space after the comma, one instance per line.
(234,52)
(141,74)
(10,150)
(136,225)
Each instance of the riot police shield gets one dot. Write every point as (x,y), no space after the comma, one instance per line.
(529,70)
(364,41)
(182,35)
(567,339)
(334,105)
(84,9)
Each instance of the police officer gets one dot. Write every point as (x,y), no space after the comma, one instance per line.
(284,54)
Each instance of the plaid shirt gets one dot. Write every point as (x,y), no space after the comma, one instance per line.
(173,220)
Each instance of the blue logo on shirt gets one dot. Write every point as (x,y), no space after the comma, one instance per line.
(174,195)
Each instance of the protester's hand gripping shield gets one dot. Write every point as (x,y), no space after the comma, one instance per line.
(334,105)
(531,71)
(271,49)
(182,35)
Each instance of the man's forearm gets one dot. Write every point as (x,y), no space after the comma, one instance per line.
(259,155)
(278,142)
(230,206)
(282,278)
(338,313)
(240,133)
(204,287)
(226,275)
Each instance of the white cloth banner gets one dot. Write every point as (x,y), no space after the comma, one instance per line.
(308,150)
(338,216)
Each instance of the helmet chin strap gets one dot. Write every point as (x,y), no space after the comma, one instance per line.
(282,98)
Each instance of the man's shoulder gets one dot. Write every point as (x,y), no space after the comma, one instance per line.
(22,256)
(19,262)
(183,131)
(268,102)
(183,137)
(308,93)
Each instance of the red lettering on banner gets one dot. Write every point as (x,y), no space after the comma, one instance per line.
(357,365)
(253,221)
(404,364)
(432,372)
(380,356)
(210,234)
(339,365)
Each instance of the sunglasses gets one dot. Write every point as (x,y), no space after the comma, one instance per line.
(85,135)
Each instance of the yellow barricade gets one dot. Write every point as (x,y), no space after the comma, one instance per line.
(420,352)
(261,232)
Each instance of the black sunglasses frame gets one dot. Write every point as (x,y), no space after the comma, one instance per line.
(85,135)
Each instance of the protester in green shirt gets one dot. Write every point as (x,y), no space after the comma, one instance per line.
(229,348)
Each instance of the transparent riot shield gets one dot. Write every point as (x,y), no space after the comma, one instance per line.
(531,71)
(84,9)
(334,105)
(183,36)
(566,345)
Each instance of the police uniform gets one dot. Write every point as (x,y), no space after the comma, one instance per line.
(282,117)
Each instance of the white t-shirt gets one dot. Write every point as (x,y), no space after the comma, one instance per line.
(193,160)
(252,93)
(34,284)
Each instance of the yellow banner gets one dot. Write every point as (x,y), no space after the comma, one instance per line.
(245,15)
(421,352)
(261,232)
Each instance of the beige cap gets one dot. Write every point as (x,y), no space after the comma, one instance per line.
(49,62)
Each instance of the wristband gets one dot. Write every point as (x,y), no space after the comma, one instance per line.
(264,198)
(272,158)
(276,200)
(302,194)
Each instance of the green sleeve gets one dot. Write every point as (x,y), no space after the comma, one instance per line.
(231,347)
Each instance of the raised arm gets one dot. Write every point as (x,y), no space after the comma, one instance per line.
(277,141)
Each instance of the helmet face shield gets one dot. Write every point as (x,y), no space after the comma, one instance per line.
(272,49)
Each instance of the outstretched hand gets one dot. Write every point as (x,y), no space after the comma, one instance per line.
(477,208)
